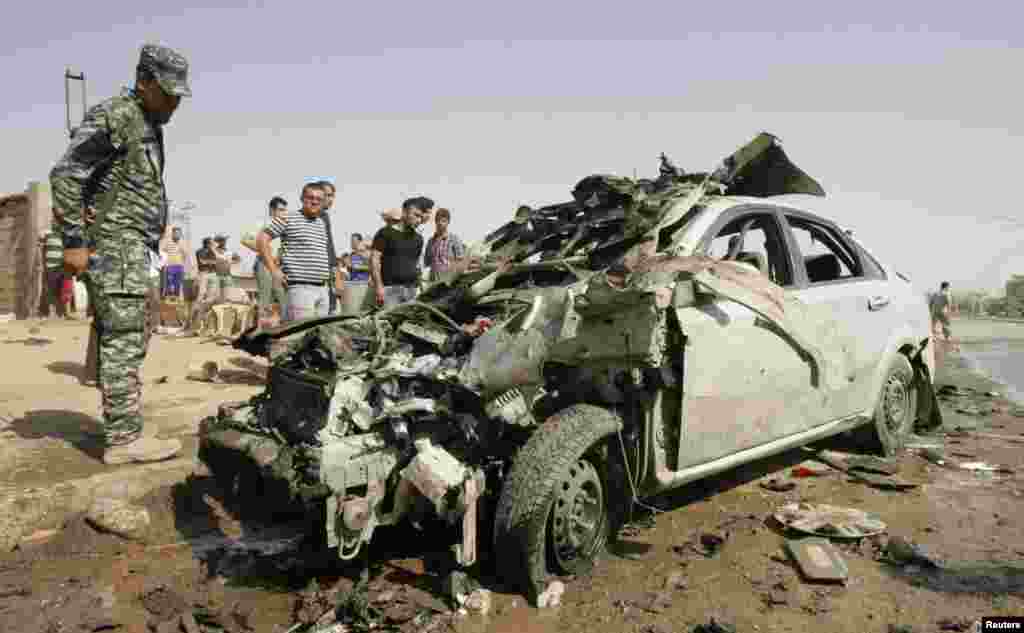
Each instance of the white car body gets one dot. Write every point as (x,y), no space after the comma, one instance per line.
(748,394)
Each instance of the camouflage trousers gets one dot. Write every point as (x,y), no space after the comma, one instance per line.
(123,324)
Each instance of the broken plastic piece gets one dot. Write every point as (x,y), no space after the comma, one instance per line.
(818,560)
(809,469)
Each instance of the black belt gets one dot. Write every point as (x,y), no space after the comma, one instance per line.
(319,284)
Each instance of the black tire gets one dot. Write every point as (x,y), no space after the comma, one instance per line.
(566,457)
(896,411)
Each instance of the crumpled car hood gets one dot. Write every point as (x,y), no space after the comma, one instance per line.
(607,217)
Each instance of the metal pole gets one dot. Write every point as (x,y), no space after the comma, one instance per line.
(68,77)
(67,101)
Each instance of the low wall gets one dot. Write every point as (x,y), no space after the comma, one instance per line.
(22,217)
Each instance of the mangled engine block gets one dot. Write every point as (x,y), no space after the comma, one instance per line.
(369,443)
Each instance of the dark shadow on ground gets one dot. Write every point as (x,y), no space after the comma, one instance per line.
(250,364)
(80,430)
(241,377)
(31,341)
(963,577)
(75,370)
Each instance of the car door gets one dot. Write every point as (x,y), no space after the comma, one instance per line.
(746,382)
(833,273)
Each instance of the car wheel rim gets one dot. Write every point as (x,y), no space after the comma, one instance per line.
(897,403)
(578,516)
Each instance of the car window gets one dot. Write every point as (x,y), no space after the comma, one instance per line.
(754,239)
(826,255)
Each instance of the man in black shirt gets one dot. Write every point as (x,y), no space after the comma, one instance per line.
(395,255)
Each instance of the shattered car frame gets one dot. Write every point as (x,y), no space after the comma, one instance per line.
(643,335)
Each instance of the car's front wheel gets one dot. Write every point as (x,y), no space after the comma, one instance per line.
(896,411)
(553,513)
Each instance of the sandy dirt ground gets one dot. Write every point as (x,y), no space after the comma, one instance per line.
(200,558)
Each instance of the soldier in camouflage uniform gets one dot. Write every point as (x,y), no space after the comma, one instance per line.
(112,205)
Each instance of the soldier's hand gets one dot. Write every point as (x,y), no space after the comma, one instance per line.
(76,260)
(90,215)
(379,292)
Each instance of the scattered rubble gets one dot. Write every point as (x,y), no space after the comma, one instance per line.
(901,551)
(933,456)
(881,482)
(955,624)
(118,517)
(810,469)
(552,596)
(778,485)
(818,560)
(867,469)
(648,602)
(829,521)
(714,625)
(985,467)
(706,544)
(677,581)
(79,607)
(206,371)
(871,464)
(466,593)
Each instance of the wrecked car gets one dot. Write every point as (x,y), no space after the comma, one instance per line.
(640,336)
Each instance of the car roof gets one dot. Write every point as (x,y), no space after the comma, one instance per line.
(803,204)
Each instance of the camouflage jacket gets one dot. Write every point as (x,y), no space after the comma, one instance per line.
(114,164)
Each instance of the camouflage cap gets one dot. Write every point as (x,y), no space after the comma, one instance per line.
(169,67)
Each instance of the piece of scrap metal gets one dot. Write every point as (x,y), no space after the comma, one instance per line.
(818,559)
(829,521)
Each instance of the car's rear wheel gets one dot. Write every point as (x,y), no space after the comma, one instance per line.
(553,513)
(897,407)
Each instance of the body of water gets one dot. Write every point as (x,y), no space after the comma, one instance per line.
(1003,361)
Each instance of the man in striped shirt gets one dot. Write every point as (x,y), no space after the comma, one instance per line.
(305,263)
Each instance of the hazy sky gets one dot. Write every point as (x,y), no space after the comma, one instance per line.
(909,114)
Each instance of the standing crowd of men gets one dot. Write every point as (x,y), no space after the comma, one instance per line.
(307,278)
(111,216)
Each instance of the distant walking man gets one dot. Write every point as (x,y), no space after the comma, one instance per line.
(268,290)
(305,261)
(941,304)
(395,255)
(443,247)
(109,191)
